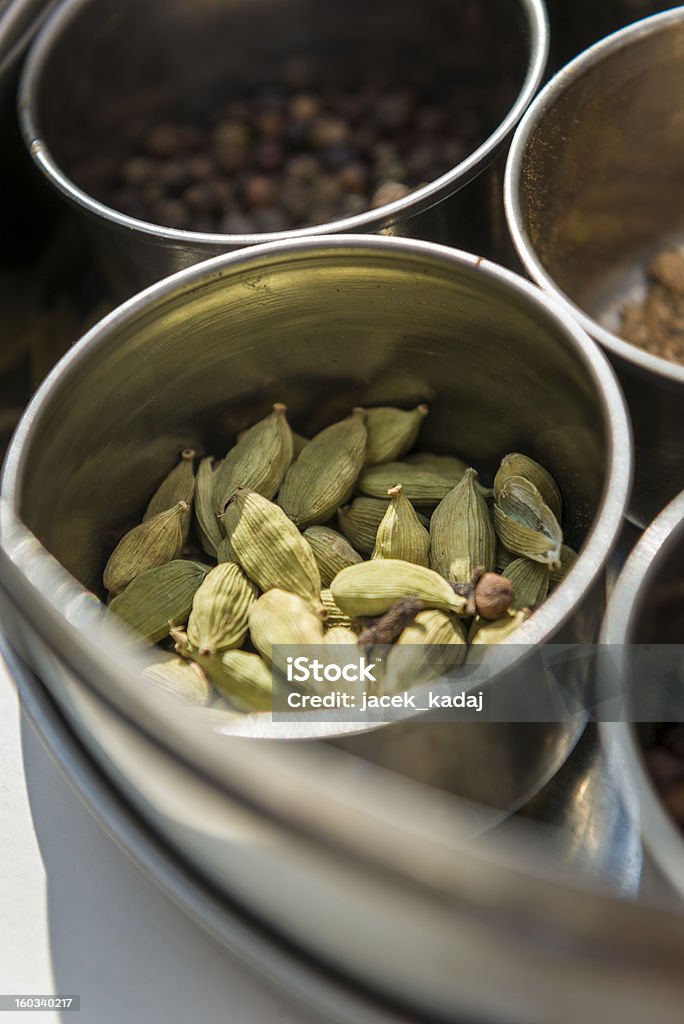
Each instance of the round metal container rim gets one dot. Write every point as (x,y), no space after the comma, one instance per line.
(531,120)
(417,201)
(605,529)
(618,619)
(19,22)
(661,834)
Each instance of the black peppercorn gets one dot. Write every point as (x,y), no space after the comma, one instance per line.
(302,151)
(259,191)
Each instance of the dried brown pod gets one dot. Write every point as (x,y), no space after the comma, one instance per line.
(389,626)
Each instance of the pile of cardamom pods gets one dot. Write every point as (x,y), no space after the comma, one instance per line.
(344,539)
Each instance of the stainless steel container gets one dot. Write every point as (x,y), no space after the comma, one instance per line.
(363,874)
(337,855)
(96,68)
(19,22)
(328,326)
(593,191)
(634,616)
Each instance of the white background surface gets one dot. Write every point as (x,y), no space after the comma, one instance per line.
(77,917)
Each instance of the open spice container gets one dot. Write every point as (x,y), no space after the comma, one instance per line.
(198,357)
(283,827)
(593,188)
(646,614)
(192,130)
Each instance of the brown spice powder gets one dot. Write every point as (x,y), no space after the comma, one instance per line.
(657,322)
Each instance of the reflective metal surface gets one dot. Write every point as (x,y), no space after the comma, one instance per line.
(593,191)
(254,945)
(505,936)
(305,834)
(19,22)
(327,327)
(558,808)
(589,820)
(632,617)
(98,67)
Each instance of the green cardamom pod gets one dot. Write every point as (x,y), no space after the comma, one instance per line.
(568,557)
(156,541)
(530,582)
(224,552)
(433,627)
(392,432)
(449,467)
(158,597)
(179,485)
(516,464)
(503,556)
(359,522)
(400,533)
(236,674)
(323,476)
(432,645)
(209,530)
(245,680)
(462,537)
(299,443)
(421,486)
(186,682)
(258,461)
(269,547)
(371,588)
(279,617)
(525,524)
(341,635)
(331,551)
(331,614)
(341,648)
(218,620)
(484,631)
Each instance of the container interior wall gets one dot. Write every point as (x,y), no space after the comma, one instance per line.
(116,65)
(605,166)
(321,335)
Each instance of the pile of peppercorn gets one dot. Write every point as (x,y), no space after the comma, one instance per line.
(280,159)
